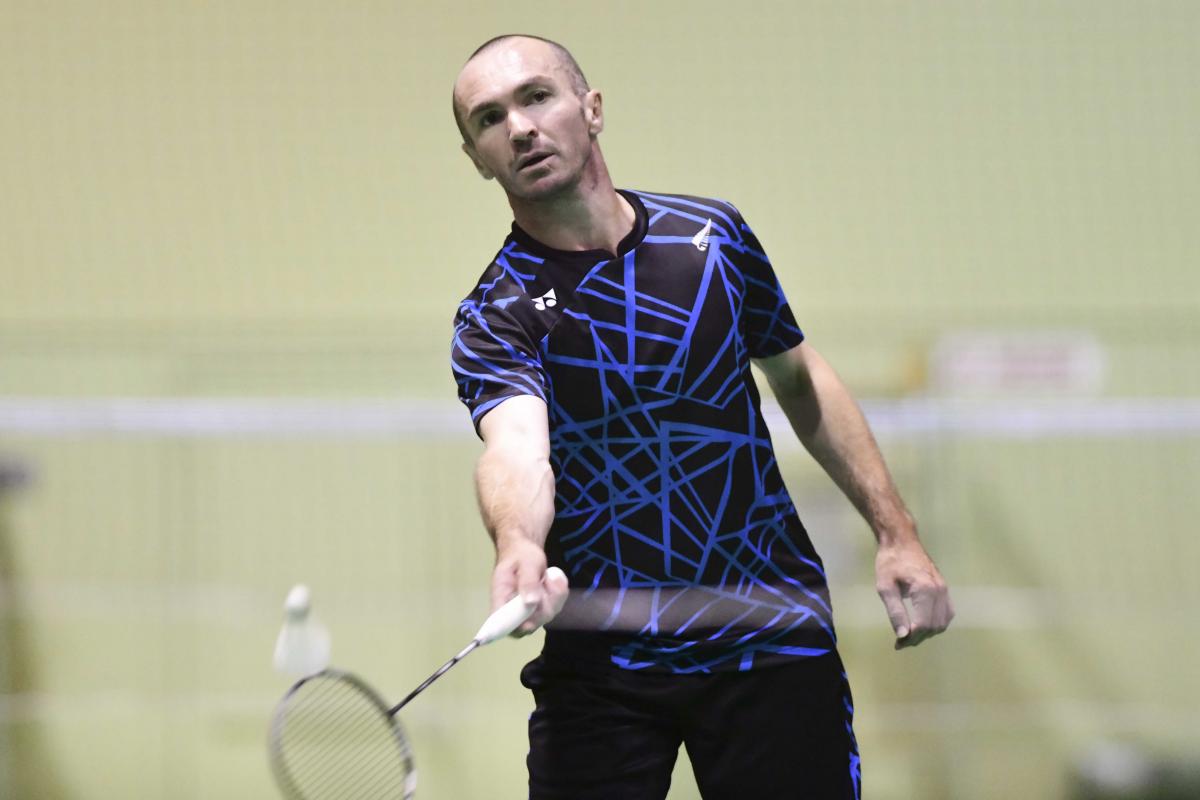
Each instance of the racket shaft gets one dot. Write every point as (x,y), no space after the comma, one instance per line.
(501,623)
(441,671)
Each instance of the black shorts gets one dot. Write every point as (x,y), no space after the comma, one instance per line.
(777,732)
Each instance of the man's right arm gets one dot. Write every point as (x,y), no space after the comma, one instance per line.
(515,488)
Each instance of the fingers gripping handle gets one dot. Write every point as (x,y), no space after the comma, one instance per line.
(504,620)
(509,616)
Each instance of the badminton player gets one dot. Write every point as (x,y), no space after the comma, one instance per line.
(605,358)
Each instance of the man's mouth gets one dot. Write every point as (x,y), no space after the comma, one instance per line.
(532,161)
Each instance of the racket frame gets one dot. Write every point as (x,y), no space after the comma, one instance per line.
(279,719)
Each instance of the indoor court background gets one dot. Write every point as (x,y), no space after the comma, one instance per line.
(232,239)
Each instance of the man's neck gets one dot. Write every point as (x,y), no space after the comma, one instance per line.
(594,216)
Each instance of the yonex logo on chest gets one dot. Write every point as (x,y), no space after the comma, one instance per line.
(548,300)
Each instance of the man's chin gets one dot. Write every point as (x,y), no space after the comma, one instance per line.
(546,188)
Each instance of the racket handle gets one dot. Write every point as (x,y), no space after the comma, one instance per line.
(509,616)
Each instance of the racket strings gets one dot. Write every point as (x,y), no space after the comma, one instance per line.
(335,742)
(334,739)
(342,742)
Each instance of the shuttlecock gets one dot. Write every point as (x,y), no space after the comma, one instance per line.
(303,644)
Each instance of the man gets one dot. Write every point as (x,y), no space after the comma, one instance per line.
(605,358)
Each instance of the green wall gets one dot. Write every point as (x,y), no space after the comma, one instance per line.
(211,200)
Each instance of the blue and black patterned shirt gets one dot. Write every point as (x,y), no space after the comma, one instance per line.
(683,549)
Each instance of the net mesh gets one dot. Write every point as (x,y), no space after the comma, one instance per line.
(333,738)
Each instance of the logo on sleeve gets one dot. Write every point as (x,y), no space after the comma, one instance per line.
(701,238)
(548,300)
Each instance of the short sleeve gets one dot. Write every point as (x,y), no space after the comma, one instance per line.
(493,359)
(767,321)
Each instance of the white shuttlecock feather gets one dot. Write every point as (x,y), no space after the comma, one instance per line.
(303,645)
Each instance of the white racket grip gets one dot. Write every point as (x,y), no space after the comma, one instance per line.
(505,619)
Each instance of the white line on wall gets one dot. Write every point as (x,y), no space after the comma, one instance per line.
(291,417)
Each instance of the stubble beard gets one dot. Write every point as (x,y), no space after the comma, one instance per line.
(580,178)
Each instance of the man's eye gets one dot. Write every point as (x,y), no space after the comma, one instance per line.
(487,119)
(540,96)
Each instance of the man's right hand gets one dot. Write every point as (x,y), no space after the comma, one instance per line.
(521,569)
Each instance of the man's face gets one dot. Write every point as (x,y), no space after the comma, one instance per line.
(526,126)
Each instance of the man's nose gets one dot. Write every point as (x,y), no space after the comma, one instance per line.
(520,127)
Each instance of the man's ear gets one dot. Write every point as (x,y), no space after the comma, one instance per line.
(484,172)
(593,111)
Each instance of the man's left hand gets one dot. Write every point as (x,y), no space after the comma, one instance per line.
(904,571)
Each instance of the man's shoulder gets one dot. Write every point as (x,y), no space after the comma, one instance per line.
(505,277)
(686,203)
(666,206)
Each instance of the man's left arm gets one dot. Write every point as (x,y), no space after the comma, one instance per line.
(832,428)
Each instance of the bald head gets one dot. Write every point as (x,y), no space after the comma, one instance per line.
(561,57)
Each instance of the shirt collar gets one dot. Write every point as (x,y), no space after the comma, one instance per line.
(629,242)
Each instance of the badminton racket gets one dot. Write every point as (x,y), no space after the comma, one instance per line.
(333,736)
